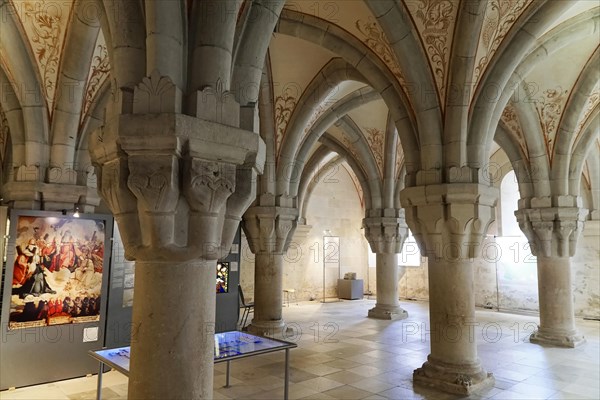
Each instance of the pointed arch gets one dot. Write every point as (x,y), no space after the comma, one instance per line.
(517,159)
(70,89)
(460,74)
(365,157)
(389,163)
(367,63)
(566,133)
(582,152)
(25,81)
(251,48)
(332,74)
(14,115)
(337,111)
(395,21)
(354,164)
(516,46)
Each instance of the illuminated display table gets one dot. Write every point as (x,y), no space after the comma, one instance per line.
(228,346)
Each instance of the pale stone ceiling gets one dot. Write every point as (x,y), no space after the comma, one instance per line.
(45,26)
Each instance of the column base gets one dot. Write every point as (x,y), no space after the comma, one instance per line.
(459,379)
(555,338)
(266,328)
(387,313)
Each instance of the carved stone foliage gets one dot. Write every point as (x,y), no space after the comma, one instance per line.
(549,107)
(217,104)
(270,229)
(435,20)
(208,185)
(376,140)
(500,16)
(386,234)
(44,23)
(375,39)
(511,120)
(284,107)
(449,220)
(99,71)
(170,179)
(156,94)
(155,184)
(552,231)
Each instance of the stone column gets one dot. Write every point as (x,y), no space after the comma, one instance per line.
(173,184)
(386,236)
(449,222)
(552,233)
(269,230)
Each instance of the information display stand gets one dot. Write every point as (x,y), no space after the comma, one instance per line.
(228,346)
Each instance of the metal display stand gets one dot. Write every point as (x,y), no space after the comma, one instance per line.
(331,258)
(231,346)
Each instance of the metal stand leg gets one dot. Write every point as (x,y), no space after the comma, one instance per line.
(227,377)
(99,380)
(287,374)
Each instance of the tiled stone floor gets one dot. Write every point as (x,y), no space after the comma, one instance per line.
(342,354)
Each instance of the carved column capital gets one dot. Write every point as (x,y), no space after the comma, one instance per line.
(270,229)
(552,231)
(449,220)
(171,179)
(386,235)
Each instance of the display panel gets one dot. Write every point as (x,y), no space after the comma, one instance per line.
(222,277)
(57,271)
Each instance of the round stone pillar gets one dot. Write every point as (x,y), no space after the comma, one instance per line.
(557,320)
(552,233)
(173,330)
(388,275)
(386,235)
(268,294)
(176,203)
(269,230)
(452,318)
(449,222)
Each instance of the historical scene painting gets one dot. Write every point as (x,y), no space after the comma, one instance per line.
(57,276)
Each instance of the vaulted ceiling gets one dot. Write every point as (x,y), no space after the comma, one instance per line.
(55,70)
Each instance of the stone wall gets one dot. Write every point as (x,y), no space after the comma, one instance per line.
(335,206)
(506,277)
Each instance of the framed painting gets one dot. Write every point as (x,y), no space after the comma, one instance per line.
(57,269)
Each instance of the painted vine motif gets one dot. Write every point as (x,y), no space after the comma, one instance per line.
(44,22)
(375,38)
(375,138)
(499,18)
(436,19)
(549,108)
(99,70)
(349,146)
(284,106)
(511,120)
(399,158)
(590,106)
